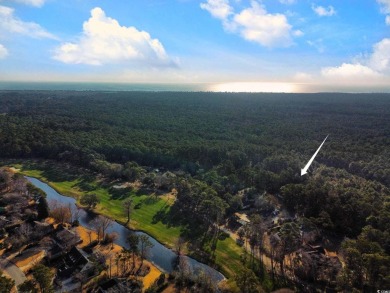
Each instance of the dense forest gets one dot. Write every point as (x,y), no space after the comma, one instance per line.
(225,143)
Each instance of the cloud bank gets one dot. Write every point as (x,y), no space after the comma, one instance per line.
(254,23)
(105,41)
(375,65)
(9,23)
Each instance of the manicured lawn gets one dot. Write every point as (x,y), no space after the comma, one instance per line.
(63,187)
(141,218)
(228,257)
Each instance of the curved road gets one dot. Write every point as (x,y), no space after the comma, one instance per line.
(13,271)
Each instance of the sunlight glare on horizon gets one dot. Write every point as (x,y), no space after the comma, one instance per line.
(254,87)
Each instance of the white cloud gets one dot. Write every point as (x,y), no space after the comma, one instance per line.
(3,52)
(385,9)
(385,6)
(218,8)
(254,23)
(287,2)
(347,70)
(380,58)
(269,30)
(323,11)
(374,65)
(104,41)
(298,33)
(9,23)
(36,3)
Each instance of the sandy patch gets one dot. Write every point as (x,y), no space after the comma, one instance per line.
(111,252)
(86,235)
(27,262)
(13,169)
(331,253)
(150,278)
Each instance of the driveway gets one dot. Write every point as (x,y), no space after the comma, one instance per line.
(13,271)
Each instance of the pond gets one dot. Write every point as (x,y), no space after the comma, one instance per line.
(161,256)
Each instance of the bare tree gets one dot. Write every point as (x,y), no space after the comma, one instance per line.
(127,206)
(179,243)
(96,226)
(133,241)
(145,246)
(89,232)
(60,212)
(184,272)
(274,241)
(5,180)
(20,185)
(74,213)
(114,236)
(101,224)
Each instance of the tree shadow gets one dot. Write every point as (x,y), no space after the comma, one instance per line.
(54,171)
(150,200)
(120,193)
(162,216)
(85,186)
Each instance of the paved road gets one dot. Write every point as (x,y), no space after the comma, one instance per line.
(13,271)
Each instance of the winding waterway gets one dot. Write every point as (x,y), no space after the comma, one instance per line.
(159,255)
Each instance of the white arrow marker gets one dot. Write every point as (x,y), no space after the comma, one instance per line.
(304,170)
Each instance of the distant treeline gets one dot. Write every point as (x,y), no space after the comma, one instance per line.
(273,132)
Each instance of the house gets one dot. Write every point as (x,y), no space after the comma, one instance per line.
(71,262)
(62,242)
(242,219)
(316,249)
(114,286)
(66,239)
(43,228)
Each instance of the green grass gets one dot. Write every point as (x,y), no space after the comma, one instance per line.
(142,218)
(228,257)
(63,187)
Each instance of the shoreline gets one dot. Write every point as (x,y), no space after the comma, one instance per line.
(43,179)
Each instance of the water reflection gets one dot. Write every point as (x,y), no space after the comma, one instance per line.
(254,87)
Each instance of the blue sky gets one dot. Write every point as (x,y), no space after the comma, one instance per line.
(321,43)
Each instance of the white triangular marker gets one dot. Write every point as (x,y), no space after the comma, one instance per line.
(304,170)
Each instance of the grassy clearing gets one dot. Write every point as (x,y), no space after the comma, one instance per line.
(228,257)
(143,216)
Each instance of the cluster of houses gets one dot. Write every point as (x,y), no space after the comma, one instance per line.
(23,235)
(27,239)
(316,263)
